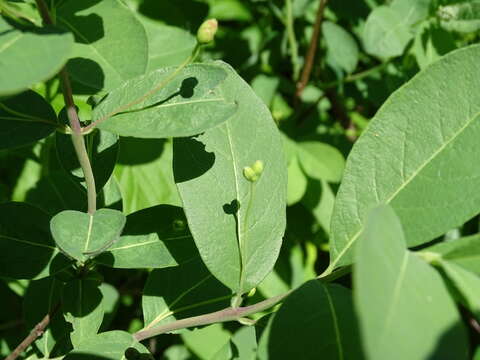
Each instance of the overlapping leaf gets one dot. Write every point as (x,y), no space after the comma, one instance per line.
(160,105)
(416,156)
(208,173)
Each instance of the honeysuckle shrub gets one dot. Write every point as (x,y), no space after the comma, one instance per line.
(226,179)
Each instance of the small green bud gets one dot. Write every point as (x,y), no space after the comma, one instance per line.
(250,174)
(252,292)
(206,32)
(258,167)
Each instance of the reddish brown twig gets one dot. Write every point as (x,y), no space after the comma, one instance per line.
(36,332)
(312,49)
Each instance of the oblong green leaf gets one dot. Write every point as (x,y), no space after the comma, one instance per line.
(156,237)
(23,49)
(316,318)
(386,33)
(416,155)
(396,292)
(25,118)
(342,49)
(208,173)
(190,103)
(27,250)
(320,161)
(82,235)
(110,42)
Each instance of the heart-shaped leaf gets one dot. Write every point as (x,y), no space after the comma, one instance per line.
(82,235)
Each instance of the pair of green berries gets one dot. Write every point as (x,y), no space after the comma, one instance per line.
(252,173)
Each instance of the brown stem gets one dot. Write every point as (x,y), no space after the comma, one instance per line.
(36,332)
(231,313)
(312,49)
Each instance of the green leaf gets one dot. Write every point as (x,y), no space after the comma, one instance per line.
(82,235)
(167,45)
(464,252)
(111,345)
(396,292)
(153,238)
(320,199)
(110,42)
(316,318)
(297,182)
(190,103)
(414,165)
(41,298)
(320,161)
(83,308)
(22,124)
(144,173)
(22,49)
(102,148)
(27,250)
(413,11)
(386,33)
(186,290)
(206,342)
(229,10)
(265,87)
(466,286)
(242,345)
(208,172)
(431,43)
(342,49)
(463,17)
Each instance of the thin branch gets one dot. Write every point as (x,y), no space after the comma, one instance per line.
(36,332)
(231,313)
(77,136)
(228,314)
(312,49)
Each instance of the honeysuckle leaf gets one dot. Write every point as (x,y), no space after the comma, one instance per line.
(208,172)
(111,345)
(465,284)
(83,307)
(21,49)
(464,252)
(82,235)
(342,49)
(186,290)
(44,297)
(320,161)
(413,156)
(159,106)
(395,291)
(156,237)
(142,163)
(313,309)
(27,250)
(24,119)
(110,42)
